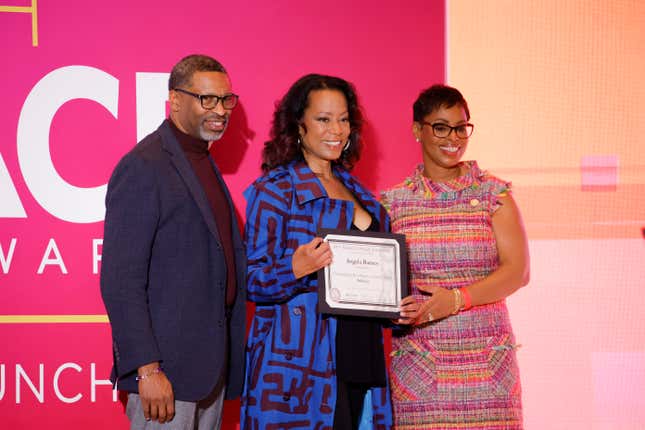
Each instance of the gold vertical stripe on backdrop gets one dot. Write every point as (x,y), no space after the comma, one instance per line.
(33,10)
(49,319)
(34,23)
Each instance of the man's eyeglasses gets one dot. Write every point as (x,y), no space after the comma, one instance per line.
(440,129)
(209,101)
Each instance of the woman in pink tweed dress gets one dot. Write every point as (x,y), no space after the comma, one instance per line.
(453,360)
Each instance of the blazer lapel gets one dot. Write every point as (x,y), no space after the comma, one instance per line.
(185,170)
(234,224)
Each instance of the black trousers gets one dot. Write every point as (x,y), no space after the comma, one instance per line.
(349,405)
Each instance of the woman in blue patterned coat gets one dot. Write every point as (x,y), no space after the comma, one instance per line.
(306,370)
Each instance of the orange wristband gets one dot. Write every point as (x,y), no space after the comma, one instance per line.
(467,300)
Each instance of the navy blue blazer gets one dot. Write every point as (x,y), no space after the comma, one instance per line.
(163,274)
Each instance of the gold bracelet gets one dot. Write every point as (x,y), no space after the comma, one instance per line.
(459,300)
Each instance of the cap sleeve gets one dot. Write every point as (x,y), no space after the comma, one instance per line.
(498,188)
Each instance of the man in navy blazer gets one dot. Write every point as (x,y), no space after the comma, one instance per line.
(173,267)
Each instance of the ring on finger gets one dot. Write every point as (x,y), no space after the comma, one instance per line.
(430,317)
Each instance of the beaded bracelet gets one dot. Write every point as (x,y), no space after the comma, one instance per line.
(149,374)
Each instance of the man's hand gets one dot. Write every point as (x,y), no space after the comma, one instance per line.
(155,391)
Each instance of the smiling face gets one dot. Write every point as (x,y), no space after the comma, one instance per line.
(324,128)
(187,112)
(441,155)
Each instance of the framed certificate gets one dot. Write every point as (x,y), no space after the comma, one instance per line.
(368,275)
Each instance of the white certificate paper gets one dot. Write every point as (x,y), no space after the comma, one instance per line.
(368,274)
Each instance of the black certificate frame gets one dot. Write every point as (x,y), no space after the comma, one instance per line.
(389,311)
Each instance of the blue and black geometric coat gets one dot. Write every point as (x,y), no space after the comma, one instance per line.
(290,358)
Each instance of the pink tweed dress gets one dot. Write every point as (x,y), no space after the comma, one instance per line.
(459,372)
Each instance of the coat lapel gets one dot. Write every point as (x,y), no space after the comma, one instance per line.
(185,170)
(306,184)
(365,198)
(308,188)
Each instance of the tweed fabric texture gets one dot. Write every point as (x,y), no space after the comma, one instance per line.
(459,372)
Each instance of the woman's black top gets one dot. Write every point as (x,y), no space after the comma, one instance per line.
(359,346)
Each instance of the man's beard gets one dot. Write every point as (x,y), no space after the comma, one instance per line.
(211,136)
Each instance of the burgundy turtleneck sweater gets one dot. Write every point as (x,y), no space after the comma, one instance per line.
(196,151)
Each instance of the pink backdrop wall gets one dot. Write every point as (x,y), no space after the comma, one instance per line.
(76,102)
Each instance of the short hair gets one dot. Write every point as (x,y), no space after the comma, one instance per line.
(436,97)
(182,73)
(284,147)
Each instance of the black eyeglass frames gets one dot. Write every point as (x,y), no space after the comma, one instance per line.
(439,129)
(209,101)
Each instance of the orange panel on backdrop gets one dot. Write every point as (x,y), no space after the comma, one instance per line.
(555,91)
(550,83)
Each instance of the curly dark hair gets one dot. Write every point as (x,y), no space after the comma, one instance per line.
(434,98)
(182,73)
(283,146)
